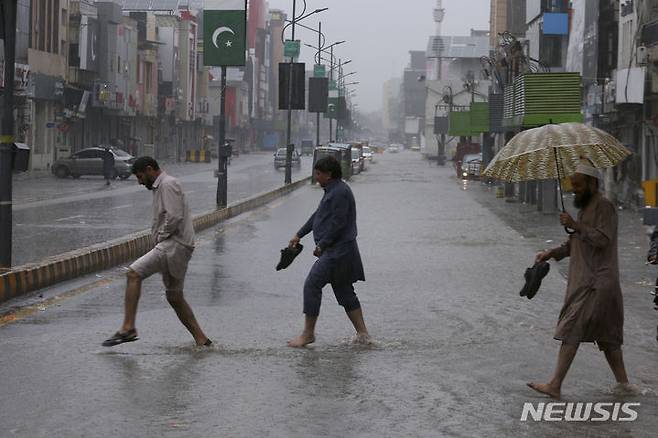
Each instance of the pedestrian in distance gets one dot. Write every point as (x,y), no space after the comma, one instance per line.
(593,309)
(172,234)
(108,165)
(339,262)
(652,258)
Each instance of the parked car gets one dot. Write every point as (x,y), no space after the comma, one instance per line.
(89,161)
(367,153)
(345,158)
(394,149)
(471,166)
(329,151)
(307,147)
(356,161)
(280,158)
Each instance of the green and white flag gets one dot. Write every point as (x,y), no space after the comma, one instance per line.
(224,33)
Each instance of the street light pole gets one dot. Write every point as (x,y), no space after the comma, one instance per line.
(331,79)
(223,151)
(317,123)
(7,134)
(288,177)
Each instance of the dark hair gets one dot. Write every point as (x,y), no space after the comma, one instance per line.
(329,165)
(142,163)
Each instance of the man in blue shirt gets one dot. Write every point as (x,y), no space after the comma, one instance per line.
(339,261)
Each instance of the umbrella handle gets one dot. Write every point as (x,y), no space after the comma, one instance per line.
(559,182)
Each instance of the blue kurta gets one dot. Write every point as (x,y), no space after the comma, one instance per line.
(334,231)
(334,228)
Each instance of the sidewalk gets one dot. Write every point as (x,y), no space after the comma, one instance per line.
(544,231)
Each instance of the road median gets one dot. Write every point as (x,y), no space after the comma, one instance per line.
(28,278)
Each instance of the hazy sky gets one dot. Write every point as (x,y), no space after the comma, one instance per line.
(379,34)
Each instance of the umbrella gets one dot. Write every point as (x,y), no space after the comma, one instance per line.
(553,152)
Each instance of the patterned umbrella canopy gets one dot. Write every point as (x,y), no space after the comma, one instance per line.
(535,154)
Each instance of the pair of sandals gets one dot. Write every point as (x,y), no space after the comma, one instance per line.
(533,277)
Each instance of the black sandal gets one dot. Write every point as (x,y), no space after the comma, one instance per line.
(121,338)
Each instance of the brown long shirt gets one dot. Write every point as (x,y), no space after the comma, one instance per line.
(593,308)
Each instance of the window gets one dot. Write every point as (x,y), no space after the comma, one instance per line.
(148,76)
(86,154)
(551,50)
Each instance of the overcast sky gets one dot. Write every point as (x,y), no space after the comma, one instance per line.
(381,32)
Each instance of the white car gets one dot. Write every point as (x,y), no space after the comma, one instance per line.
(394,149)
(367,153)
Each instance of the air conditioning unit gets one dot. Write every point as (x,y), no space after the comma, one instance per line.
(641,55)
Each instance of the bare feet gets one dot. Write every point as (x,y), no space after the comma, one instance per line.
(545,388)
(626,389)
(362,339)
(301,340)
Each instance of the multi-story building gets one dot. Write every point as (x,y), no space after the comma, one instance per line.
(47,58)
(548,32)
(391,109)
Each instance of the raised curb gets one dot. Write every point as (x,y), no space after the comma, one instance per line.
(34,276)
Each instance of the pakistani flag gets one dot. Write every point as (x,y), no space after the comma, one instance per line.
(224,33)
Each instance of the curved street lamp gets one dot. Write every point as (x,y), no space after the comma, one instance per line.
(293,22)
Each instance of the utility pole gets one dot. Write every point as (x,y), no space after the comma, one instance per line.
(223,151)
(317,125)
(7,133)
(289,146)
(331,79)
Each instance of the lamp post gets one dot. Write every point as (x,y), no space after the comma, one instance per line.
(332,67)
(7,139)
(289,146)
(448,99)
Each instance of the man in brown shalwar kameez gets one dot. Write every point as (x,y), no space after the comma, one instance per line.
(593,308)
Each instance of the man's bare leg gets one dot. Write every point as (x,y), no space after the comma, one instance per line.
(133,291)
(186,316)
(564,359)
(307,336)
(615,359)
(356,316)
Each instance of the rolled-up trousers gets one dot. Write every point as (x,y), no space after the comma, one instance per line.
(329,270)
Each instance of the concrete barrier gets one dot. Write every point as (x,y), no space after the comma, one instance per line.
(34,276)
(197,156)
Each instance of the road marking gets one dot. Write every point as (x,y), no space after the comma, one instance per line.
(70,217)
(121,206)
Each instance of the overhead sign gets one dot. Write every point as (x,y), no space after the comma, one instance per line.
(224,33)
(292,49)
(320,71)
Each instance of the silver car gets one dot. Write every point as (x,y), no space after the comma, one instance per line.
(90,162)
(280,158)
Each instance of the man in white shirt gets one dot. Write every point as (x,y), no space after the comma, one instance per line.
(172,234)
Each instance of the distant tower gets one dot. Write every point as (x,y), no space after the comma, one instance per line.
(439,15)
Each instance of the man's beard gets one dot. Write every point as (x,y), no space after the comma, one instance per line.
(581,201)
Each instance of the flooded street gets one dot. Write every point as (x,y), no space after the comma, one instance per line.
(454,344)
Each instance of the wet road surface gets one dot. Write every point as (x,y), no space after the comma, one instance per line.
(454,345)
(52,216)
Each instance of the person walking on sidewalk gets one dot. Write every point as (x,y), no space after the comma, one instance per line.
(172,234)
(108,165)
(593,309)
(339,261)
(652,258)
